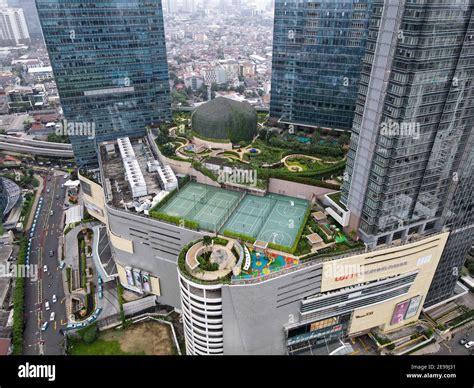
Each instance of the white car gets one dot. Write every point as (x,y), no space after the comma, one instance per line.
(52,316)
(469,345)
(46,306)
(44,326)
(54,299)
(45,268)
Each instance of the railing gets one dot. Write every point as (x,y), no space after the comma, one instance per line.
(319,259)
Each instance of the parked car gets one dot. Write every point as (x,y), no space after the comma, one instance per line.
(44,326)
(62,265)
(54,299)
(45,268)
(469,345)
(463,341)
(52,316)
(46,306)
(51,253)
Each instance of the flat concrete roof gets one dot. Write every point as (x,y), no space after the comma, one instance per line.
(114,171)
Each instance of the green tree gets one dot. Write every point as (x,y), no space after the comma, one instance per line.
(167,150)
(207,241)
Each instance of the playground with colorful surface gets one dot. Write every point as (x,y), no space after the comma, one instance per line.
(264,264)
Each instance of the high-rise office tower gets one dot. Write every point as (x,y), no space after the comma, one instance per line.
(410,163)
(13,29)
(317,53)
(31,16)
(109,62)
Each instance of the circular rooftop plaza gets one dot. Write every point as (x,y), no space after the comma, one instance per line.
(225,119)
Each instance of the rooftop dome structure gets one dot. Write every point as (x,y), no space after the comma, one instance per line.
(225,119)
(10,193)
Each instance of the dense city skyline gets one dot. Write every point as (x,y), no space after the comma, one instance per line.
(231,177)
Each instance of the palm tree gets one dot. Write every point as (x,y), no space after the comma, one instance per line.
(207,241)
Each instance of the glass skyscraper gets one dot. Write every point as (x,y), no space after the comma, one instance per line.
(410,164)
(318,48)
(110,66)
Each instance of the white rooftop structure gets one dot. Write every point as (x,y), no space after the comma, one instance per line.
(73,214)
(133,172)
(168,179)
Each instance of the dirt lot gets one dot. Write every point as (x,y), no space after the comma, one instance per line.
(150,338)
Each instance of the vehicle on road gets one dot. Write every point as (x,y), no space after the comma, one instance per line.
(45,268)
(51,212)
(51,253)
(462,341)
(469,345)
(57,196)
(46,306)
(48,190)
(52,316)
(44,326)
(62,265)
(54,299)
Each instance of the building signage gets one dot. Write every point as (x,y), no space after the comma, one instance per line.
(93,208)
(413,307)
(128,272)
(146,282)
(399,313)
(371,271)
(138,278)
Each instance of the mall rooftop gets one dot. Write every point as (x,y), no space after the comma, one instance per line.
(132,176)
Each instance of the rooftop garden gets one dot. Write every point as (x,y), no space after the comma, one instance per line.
(336,197)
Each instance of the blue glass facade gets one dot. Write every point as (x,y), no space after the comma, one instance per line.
(317,56)
(109,62)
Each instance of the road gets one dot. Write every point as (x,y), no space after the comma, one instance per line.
(48,230)
(453,347)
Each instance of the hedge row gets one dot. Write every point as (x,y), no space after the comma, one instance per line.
(199,167)
(240,236)
(163,202)
(19,301)
(174,220)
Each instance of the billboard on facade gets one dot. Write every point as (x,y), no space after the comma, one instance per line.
(137,277)
(399,312)
(146,282)
(413,307)
(128,272)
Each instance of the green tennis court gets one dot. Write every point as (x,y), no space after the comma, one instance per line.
(207,205)
(274,218)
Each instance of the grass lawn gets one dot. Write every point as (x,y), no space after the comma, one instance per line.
(145,338)
(99,348)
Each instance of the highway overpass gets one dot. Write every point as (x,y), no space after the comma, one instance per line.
(35,147)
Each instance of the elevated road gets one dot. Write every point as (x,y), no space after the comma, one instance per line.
(35,147)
